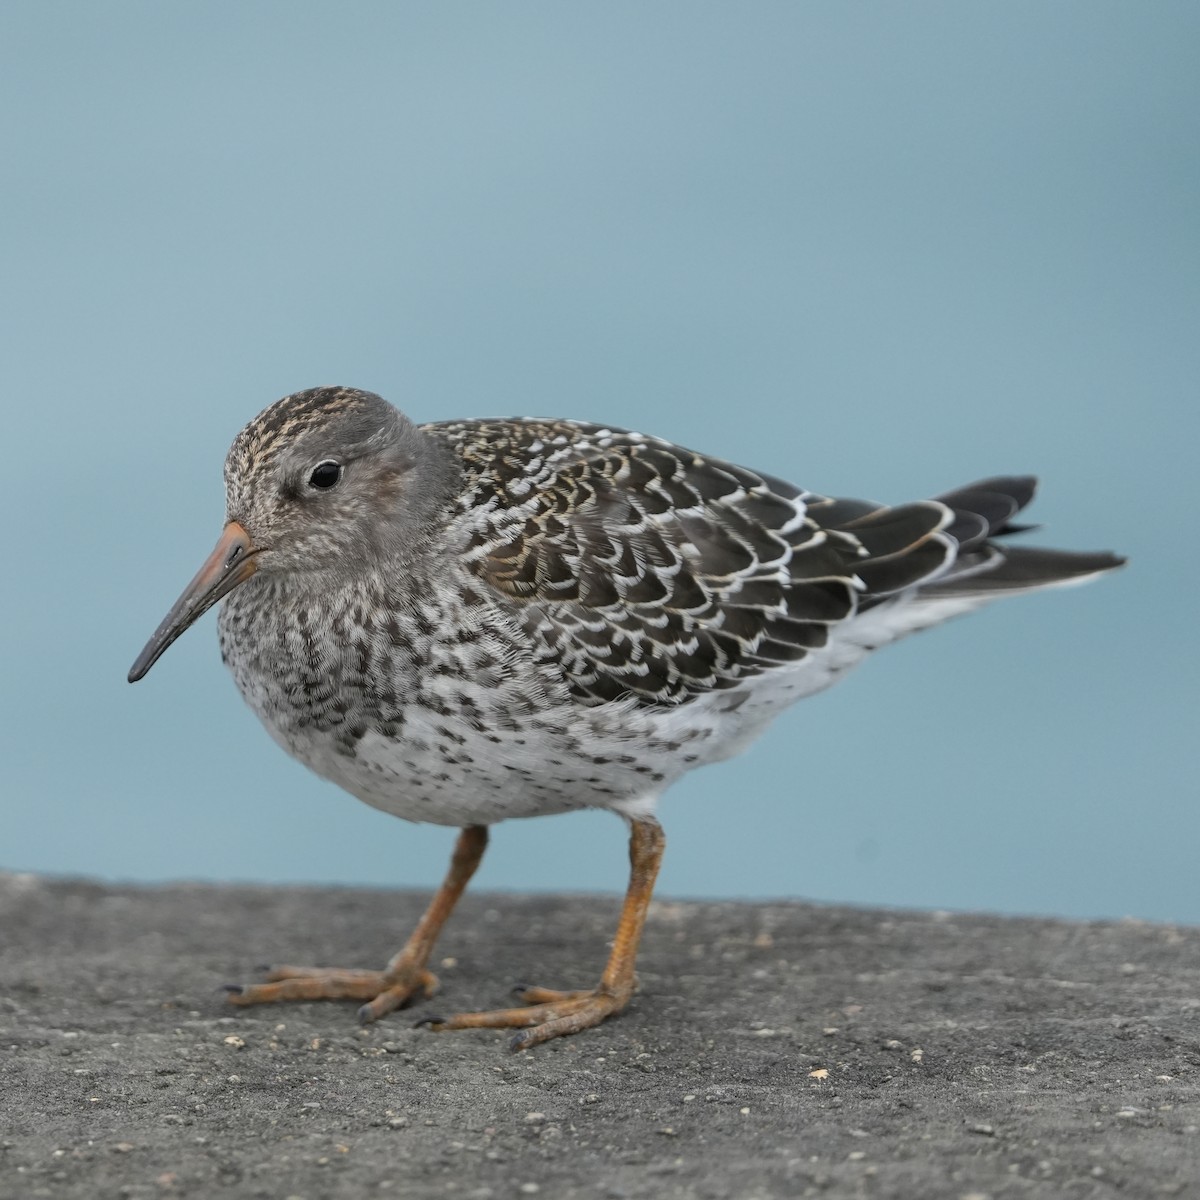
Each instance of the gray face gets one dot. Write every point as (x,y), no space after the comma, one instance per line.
(327,480)
(323,485)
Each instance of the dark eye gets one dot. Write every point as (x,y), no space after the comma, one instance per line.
(325,475)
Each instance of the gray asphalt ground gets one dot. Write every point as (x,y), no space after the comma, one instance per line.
(774,1050)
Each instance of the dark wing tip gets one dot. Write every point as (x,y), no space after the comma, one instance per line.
(996,501)
(1019,568)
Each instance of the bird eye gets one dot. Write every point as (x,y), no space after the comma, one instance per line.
(325,475)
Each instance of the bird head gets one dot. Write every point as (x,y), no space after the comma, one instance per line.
(322,485)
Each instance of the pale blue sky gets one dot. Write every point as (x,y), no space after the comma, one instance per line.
(880,249)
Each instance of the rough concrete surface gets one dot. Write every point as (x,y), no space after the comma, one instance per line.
(774,1050)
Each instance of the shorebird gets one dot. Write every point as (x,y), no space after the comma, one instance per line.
(467,621)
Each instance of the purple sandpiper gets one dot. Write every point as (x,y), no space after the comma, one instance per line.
(472,620)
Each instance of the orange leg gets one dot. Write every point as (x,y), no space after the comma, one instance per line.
(403,978)
(549,1014)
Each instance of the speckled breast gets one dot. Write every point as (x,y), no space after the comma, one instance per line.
(434,718)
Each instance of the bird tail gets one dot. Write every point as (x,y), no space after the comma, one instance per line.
(983,512)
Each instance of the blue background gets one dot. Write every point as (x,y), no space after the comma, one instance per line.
(881,249)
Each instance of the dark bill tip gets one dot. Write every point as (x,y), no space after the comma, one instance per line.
(230,563)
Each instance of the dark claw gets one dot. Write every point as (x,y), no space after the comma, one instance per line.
(519,989)
(364,1015)
(428,1021)
(519,1041)
(234,989)
(263,968)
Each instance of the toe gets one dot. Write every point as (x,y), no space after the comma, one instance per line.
(541,995)
(555,1015)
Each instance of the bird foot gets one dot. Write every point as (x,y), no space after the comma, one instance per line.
(545,1014)
(383,990)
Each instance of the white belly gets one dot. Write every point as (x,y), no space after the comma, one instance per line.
(440,767)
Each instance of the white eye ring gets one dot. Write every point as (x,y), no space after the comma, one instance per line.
(325,475)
